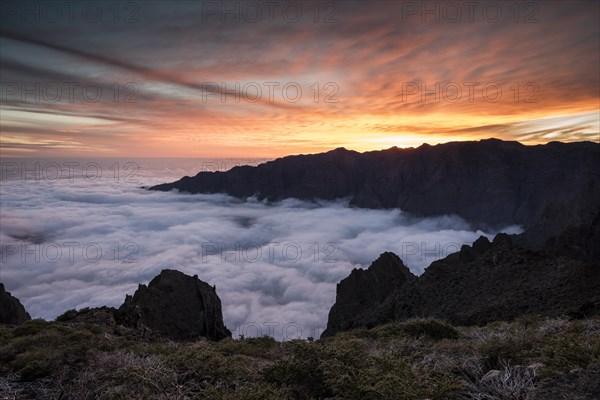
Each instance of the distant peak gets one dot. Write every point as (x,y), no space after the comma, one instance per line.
(168,271)
(396,148)
(500,141)
(340,150)
(388,255)
(390,261)
(492,139)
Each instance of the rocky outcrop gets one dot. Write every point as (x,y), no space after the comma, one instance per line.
(366,290)
(103,316)
(481,283)
(489,183)
(11,309)
(176,306)
(173,305)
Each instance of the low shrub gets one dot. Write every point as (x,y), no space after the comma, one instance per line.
(508,383)
(568,351)
(260,347)
(31,328)
(34,370)
(500,350)
(410,360)
(362,370)
(300,368)
(253,391)
(431,329)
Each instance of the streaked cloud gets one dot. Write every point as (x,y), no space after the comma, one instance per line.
(376,74)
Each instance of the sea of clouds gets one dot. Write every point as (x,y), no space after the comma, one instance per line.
(85,235)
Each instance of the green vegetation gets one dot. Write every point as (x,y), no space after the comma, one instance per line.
(417,359)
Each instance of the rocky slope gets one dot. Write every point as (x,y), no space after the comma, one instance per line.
(489,183)
(173,305)
(11,309)
(481,283)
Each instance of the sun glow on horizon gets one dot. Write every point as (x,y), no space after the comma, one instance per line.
(269,89)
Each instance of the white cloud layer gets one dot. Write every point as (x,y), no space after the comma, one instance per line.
(75,243)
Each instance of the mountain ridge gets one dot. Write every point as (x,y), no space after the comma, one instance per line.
(490,183)
(481,283)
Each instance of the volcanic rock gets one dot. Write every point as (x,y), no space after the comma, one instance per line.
(479,284)
(176,306)
(11,309)
(488,183)
(366,290)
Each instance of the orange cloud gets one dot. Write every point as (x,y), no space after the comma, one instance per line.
(377,77)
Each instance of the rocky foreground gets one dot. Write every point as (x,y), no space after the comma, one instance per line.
(531,358)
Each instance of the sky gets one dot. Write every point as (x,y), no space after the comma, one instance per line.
(266,79)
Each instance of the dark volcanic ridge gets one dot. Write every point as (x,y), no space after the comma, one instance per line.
(482,283)
(489,183)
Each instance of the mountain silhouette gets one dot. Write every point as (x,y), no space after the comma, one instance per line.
(490,183)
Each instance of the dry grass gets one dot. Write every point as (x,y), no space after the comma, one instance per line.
(419,359)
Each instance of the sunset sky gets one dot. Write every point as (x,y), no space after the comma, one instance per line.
(181,78)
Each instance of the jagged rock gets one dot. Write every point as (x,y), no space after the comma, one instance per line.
(479,284)
(11,309)
(104,316)
(176,306)
(173,305)
(366,290)
(488,183)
